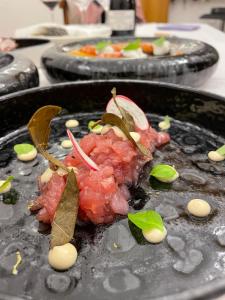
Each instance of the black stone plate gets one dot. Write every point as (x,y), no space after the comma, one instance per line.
(193,68)
(16,73)
(135,270)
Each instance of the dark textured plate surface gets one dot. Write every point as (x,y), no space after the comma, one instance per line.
(16,73)
(135,270)
(192,68)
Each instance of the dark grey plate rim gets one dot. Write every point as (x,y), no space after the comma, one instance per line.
(209,290)
(177,87)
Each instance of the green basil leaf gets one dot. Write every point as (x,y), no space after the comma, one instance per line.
(164,173)
(221,150)
(23,148)
(147,220)
(95,127)
(102,45)
(133,45)
(159,42)
(4,185)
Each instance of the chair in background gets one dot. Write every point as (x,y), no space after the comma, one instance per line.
(217,13)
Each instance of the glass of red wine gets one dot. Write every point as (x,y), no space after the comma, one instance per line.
(51,4)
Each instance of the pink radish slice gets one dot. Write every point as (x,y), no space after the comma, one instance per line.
(81,154)
(138,115)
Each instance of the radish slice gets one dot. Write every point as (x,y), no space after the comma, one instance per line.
(81,154)
(138,115)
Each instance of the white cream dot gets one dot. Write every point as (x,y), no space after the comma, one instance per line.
(62,257)
(66,144)
(118,132)
(47,175)
(215,156)
(28,156)
(154,235)
(72,123)
(199,208)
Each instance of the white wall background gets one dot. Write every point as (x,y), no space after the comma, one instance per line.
(190,11)
(19,13)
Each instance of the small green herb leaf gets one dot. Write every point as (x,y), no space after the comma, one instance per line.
(147,220)
(221,150)
(102,45)
(164,173)
(4,185)
(23,148)
(133,45)
(94,127)
(165,124)
(159,42)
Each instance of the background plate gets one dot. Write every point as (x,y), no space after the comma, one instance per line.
(192,68)
(16,73)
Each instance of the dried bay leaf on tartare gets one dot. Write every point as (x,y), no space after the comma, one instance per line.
(39,128)
(65,217)
(126,117)
(109,118)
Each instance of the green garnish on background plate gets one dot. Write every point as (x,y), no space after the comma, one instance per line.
(23,148)
(102,45)
(159,42)
(133,45)
(147,220)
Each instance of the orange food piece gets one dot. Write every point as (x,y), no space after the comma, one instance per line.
(116,54)
(118,47)
(79,53)
(147,48)
(89,50)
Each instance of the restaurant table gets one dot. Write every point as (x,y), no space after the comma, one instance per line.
(205,33)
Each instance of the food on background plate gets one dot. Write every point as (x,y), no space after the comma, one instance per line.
(130,49)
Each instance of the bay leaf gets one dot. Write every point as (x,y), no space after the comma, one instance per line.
(109,118)
(39,128)
(64,222)
(126,117)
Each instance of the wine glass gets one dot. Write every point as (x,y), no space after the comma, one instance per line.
(51,4)
(104,3)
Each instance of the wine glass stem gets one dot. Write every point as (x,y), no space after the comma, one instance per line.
(52,16)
